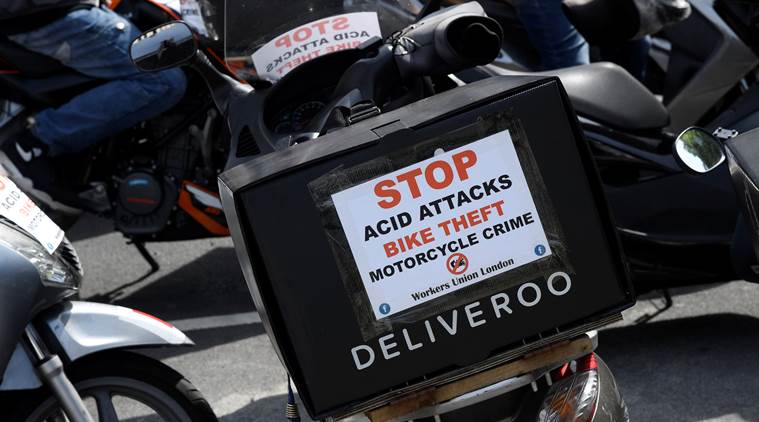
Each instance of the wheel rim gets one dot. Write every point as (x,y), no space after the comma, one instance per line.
(104,390)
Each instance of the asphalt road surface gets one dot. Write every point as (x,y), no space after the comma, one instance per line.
(697,361)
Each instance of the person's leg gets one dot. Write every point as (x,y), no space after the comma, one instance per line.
(632,55)
(108,109)
(556,39)
(96,43)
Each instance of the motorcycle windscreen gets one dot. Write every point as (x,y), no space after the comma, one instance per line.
(269,39)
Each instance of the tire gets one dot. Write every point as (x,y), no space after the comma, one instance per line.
(122,374)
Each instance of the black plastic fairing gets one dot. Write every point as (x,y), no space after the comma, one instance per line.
(742,154)
(22,294)
(20,288)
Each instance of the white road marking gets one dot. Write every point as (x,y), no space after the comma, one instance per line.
(218,321)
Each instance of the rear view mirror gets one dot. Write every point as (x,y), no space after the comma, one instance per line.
(697,151)
(165,46)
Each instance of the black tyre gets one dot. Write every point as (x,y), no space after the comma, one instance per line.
(120,386)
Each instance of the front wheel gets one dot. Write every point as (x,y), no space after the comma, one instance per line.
(121,386)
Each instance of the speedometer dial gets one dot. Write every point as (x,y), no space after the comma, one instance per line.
(283,127)
(304,113)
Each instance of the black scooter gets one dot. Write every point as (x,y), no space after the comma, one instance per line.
(364,80)
(701,153)
(676,229)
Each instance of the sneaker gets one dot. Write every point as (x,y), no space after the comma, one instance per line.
(24,159)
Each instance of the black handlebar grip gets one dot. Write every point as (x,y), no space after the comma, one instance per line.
(483,44)
(446,42)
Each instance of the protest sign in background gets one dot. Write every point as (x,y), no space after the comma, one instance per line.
(318,38)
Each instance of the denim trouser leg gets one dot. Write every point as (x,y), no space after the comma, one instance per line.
(632,55)
(96,43)
(557,40)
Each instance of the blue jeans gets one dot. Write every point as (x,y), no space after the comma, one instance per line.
(95,42)
(632,55)
(558,42)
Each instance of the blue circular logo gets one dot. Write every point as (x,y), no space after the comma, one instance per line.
(384,309)
(540,250)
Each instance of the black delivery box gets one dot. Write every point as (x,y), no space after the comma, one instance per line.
(427,243)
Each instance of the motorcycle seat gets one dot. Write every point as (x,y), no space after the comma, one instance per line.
(39,80)
(606,93)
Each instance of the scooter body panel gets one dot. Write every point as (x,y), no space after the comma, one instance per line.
(20,374)
(84,328)
(675,228)
(718,68)
(21,295)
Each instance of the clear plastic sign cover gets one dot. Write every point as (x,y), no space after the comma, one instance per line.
(428,230)
(269,39)
(463,214)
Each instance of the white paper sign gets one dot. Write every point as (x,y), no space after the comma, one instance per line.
(171,4)
(442,224)
(306,42)
(17,207)
(190,12)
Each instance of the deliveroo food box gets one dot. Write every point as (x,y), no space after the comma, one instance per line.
(427,243)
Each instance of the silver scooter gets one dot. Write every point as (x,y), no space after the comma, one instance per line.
(64,360)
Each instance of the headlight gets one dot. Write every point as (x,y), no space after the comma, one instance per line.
(50,268)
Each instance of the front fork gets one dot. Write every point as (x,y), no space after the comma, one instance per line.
(49,369)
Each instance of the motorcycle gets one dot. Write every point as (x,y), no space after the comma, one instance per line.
(58,355)
(367,77)
(624,123)
(630,131)
(700,152)
(156,181)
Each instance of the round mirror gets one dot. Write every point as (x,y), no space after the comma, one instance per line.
(163,47)
(698,151)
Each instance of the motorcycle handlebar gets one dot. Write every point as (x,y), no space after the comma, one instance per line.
(445,42)
(448,41)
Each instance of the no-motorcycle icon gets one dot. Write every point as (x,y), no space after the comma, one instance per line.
(457,263)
